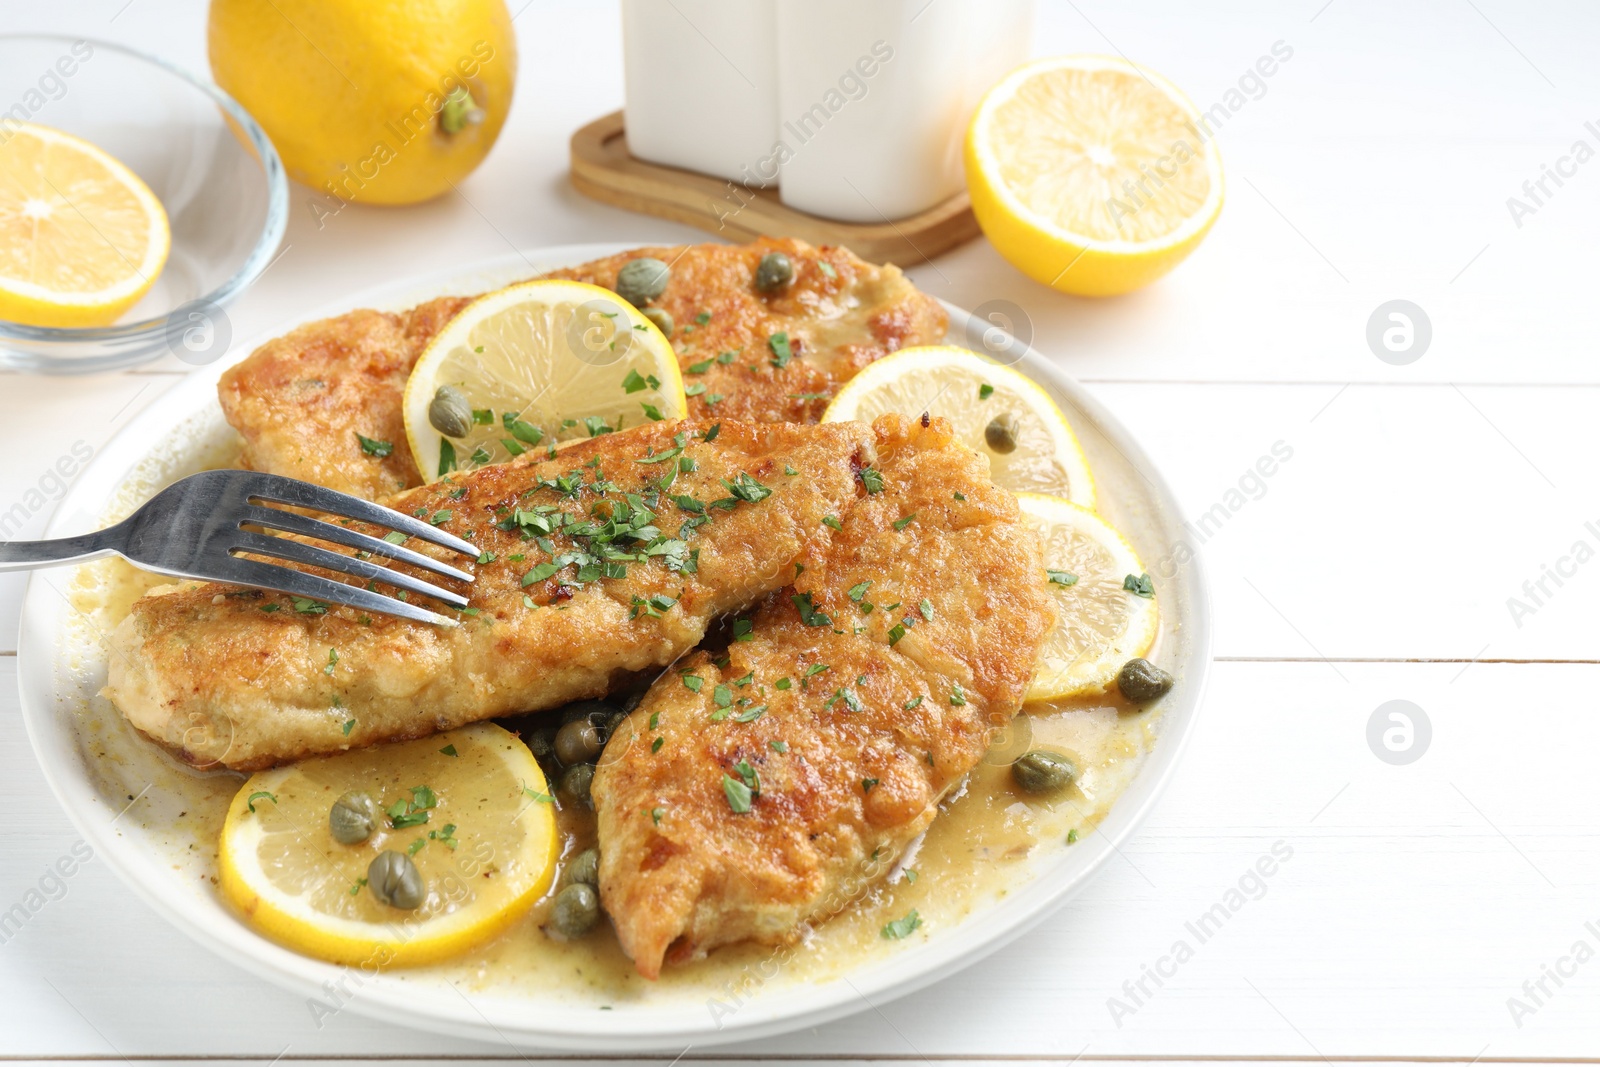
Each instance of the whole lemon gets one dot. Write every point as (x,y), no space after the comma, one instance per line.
(380,103)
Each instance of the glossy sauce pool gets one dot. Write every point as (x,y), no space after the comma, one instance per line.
(976,849)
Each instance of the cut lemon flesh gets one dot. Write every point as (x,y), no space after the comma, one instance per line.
(1101,624)
(487,848)
(81,237)
(1033,449)
(540,363)
(1091,174)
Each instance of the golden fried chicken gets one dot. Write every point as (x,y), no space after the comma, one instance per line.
(611,558)
(304,401)
(301,401)
(749,794)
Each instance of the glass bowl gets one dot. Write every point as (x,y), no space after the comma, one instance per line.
(204,157)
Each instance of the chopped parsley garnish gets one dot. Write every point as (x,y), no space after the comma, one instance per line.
(250,801)
(693,682)
(445,836)
(809,613)
(413,812)
(859,590)
(1062,578)
(699,368)
(349,724)
(307,606)
(596,425)
(538,797)
(778,746)
(487,557)
(926,607)
(333,661)
(711,434)
(1139,585)
(655,746)
(958,698)
(655,815)
(522,431)
(896,632)
(694,390)
(872,478)
(827,268)
(636,382)
(901,524)
(702,318)
(539,573)
(867,784)
(1072,836)
(722,696)
(914,702)
(751,714)
(738,794)
(851,701)
(743,630)
(747,488)
(395,537)
(447,456)
(373,447)
(985,391)
(439,517)
(901,928)
(832,522)
(448,750)
(781,352)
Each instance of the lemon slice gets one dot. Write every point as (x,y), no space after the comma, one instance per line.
(540,363)
(973,393)
(81,237)
(1091,174)
(487,848)
(1101,624)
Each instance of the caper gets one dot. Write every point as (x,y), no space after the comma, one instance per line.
(577,781)
(1043,771)
(450,412)
(773,272)
(1142,681)
(662,320)
(576,910)
(1001,433)
(577,742)
(352,818)
(642,280)
(541,742)
(395,881)
(584,868)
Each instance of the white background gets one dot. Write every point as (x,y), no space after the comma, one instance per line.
(1376,565)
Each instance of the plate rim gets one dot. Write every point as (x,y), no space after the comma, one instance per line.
(976,937)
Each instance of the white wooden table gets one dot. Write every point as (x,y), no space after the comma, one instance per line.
(1376,564)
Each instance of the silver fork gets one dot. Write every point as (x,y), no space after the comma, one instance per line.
(194,528)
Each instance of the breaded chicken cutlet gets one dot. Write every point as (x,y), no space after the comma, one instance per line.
(301,401)
(610,559)
(750,794)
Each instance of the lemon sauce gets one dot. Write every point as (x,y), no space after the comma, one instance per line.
(988,839)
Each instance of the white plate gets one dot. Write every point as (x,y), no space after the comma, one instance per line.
(59,680)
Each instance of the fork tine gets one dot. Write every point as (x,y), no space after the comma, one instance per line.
(293,522)
(305,495)
(311,555)
(314,587)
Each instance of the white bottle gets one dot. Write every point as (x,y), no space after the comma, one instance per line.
(874,97)
(701,82)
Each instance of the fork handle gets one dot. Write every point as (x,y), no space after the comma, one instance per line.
(28,555)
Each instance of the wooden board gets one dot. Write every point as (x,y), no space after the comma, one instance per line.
(603,168)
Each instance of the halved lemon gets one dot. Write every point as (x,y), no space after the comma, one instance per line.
(999,412)
(1091,174)
(471,810)
(1103,623)
(81,237)
(539,363)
